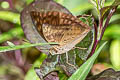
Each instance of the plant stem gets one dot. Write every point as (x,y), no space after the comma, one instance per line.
(112,11)
(96,41)
(10,3)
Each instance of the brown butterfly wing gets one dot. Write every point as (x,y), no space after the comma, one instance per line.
(59,27)
(37,21)
(72,34)
(51,33)
(62,34)
(41,18)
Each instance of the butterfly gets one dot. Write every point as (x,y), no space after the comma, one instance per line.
(62,28)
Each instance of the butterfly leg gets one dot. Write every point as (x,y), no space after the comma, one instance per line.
(80,48)
(52,51)
(67,61)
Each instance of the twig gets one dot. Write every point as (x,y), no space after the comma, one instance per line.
(112,11)
(10,2)
(95,40)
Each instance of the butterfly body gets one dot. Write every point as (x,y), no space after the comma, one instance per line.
(62,28)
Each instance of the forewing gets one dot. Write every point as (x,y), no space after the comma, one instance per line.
(62,34)
(52,33)
(37,21)
(58,27)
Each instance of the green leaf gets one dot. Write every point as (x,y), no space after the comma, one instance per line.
(76,7)
(107,8)
(31,74)
(9,48)
(115,54)
(83,71)
(29,1)
(113,31)
(15,32)
(5,4)
(10,16)
(116,2)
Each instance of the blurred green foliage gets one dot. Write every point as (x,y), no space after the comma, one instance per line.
(10,16)
(31,75)
(77,7)
(115,54)
(5,4)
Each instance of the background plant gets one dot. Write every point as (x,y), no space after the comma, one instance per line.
(12,31)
